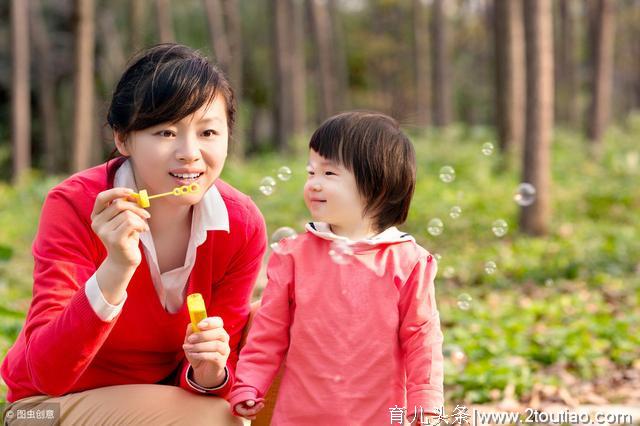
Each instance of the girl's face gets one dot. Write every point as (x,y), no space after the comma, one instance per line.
(331,194)
(174,154)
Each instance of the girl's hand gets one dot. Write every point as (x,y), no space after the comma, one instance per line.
(249,409)
(207,351)
(118,223)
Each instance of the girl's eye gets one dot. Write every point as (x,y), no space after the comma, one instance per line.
(309,172)
(329,173)
(165,133)
(210,132)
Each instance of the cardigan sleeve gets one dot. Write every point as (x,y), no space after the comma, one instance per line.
(63,332)
(232,296)
(421,338)
(268,339)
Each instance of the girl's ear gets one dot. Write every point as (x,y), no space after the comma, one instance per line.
(121,145)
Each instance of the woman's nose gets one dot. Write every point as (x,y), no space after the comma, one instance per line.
(188,151)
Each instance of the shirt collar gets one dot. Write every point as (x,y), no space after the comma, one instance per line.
(210,214)
(388,236)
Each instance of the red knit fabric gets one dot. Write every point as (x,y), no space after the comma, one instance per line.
(65,347)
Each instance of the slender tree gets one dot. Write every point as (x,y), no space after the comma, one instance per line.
(164,21)
(567,95)
(20,88)
(602,73)
(136,25)
(510,73)
(534,219)
(440,65)
(326,73)
(283,73)
(217,33)
(83,131)
(46,88)
(421,63)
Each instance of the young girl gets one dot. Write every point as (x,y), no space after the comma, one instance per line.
(349,306)
(107,336)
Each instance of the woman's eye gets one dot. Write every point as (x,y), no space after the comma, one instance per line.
(166,133)
(209,133)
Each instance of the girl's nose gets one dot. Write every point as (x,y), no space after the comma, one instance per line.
(188,152)
(316,187)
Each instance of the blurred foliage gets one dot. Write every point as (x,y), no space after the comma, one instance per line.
(568,300)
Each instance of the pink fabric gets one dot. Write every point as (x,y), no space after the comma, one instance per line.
(356,339)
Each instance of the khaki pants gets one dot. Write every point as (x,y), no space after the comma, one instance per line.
(139,404)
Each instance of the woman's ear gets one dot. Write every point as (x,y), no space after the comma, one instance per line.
(121,145)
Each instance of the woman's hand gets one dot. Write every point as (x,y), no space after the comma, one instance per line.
(207,351)
(118,223)
(249,409)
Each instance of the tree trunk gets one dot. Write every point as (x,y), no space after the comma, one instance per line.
(421,63)
(20,89)
(567,90)
(322,30)
(234,43)
(440,66)
(339,57)
(299,84)
(510,73)
(46,89)
(602,74)
(136,25)
(534,219)
(217,34)
(283,73)
(83,134)
(164,21)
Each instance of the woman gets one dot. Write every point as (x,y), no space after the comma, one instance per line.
(107,335)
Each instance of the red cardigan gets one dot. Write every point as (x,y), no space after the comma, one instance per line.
(65,347)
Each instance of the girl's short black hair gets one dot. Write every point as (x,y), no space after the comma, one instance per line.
(372,146)
(166,83)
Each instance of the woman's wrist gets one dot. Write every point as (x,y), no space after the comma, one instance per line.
(113,279)
(208,380)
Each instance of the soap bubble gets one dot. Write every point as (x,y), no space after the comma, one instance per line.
(279,235)
(490,267)
(447,174)
(455,354)
(435,226)
(449,272)
(455,212)
(340,252)
(487,148)
(284,173)
(500,228)
(464,301)
(438,256)
(267,185)
(525,194)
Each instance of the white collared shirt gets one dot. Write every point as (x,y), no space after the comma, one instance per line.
(209,214)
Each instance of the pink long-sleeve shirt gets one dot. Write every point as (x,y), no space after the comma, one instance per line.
(356,339)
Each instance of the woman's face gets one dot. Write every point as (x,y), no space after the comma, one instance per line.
(174,154)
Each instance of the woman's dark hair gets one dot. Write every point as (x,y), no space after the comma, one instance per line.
(372,147)
(166,83)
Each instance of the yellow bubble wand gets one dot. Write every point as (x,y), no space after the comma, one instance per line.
(143,198)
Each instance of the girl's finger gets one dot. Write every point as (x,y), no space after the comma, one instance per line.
(105,197)
(203,347)
(209,335)
(120,205)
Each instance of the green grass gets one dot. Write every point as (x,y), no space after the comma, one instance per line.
(567,301)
